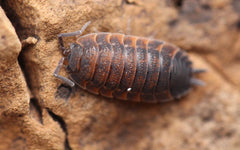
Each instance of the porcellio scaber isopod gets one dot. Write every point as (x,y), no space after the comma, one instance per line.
(127,67)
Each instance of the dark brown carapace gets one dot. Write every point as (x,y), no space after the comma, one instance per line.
(127,67)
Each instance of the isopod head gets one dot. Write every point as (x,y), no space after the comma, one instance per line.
(73,57)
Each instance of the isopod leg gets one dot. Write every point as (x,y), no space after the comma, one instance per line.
(129,26)
(79,32)
(56,74)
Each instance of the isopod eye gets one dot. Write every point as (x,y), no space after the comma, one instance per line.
(69,56)
(74,57)
(74,46)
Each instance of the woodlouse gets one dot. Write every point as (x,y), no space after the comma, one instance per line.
(127,67)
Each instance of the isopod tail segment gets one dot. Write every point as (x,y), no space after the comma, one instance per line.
(197,82)
(182,75)
(66,53)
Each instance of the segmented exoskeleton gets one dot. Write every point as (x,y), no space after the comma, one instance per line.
(127,67)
